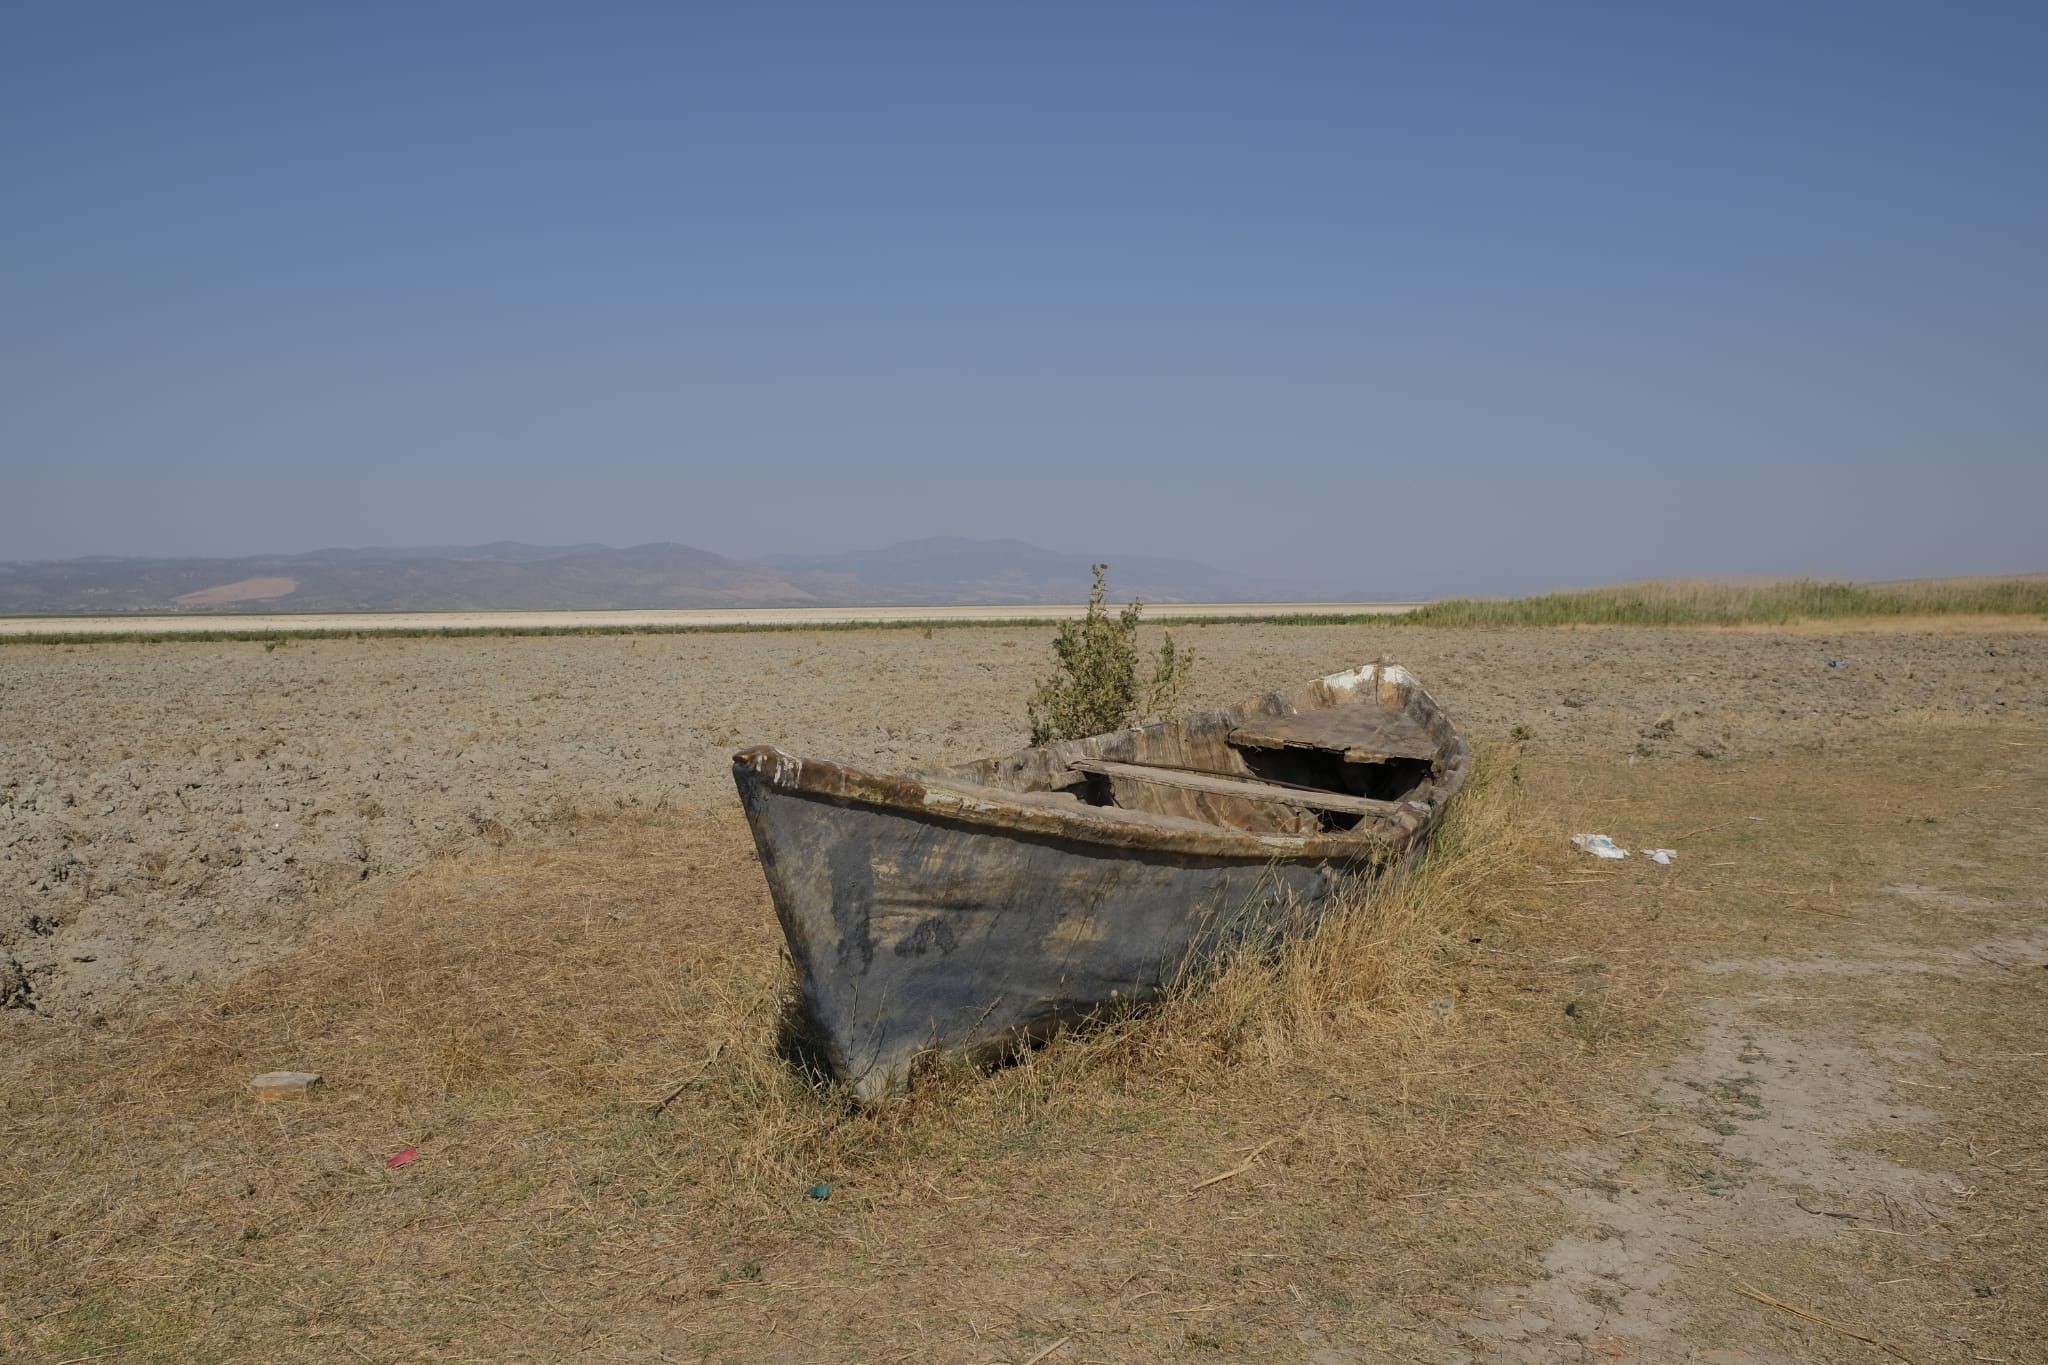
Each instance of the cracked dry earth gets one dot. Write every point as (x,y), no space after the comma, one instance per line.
(1816,1132)
(1834,1104)
(175,813)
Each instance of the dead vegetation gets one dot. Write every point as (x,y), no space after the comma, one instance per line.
(1325,1150)
(582,1042)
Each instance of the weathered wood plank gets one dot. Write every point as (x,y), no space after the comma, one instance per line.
(1234,786)
(1253,815)
(1364,734)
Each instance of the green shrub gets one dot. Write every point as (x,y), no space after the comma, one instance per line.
(1095,686)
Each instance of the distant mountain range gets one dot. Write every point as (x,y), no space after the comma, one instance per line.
(943,570)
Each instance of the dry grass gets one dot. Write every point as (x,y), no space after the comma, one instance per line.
(518,1014)
(1785,863)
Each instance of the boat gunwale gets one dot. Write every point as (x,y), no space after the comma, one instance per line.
(934,797)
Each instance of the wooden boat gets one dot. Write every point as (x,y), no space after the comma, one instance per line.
(970,909)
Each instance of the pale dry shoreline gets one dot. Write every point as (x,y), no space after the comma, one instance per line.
(693,618)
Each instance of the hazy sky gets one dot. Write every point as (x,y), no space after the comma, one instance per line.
(1431,296)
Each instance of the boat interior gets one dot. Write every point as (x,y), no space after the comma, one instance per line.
(1266,767)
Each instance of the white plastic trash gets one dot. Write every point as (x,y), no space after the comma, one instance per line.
(1666,856)
(1599,845)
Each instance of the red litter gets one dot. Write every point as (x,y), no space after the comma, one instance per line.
(404,1158)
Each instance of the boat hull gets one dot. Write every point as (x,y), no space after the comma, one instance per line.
(969,909)
(915,933)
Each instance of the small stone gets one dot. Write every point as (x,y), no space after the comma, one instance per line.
(284,1085)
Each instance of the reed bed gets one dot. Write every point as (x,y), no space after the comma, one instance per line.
(1687,602)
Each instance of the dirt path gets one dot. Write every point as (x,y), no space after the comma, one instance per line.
(1816,1144)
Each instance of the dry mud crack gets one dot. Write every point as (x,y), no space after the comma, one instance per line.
(1760,1154)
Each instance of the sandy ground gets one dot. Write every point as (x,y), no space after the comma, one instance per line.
(169,811)
(375,621)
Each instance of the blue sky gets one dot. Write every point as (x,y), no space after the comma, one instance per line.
(1415,298)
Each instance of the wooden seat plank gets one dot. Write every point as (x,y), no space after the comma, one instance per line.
(1218,785)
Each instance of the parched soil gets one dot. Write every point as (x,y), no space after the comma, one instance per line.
(1783,1101)
(169,812)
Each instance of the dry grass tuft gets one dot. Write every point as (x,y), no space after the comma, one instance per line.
(1370,965)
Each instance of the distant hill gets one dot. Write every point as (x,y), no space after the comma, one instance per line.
(510,576)
(955,569)
(479,577)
